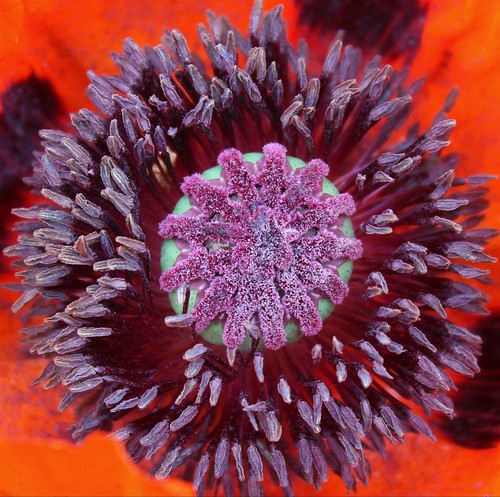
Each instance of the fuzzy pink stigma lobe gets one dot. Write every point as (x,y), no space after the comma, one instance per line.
(265,242)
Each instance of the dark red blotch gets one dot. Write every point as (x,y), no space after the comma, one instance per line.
(386,27)
(28,106)
(477,403)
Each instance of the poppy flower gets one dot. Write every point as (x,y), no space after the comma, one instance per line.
(91,260)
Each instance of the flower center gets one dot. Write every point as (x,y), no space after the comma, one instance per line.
(260,246)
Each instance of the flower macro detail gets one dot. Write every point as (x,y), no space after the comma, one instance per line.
(267,242)
(214,411)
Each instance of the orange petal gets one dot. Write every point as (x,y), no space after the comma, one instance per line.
(62,40)
(461,43)
(423,467)
(97,467)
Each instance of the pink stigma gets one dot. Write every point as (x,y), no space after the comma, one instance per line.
(261,244)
